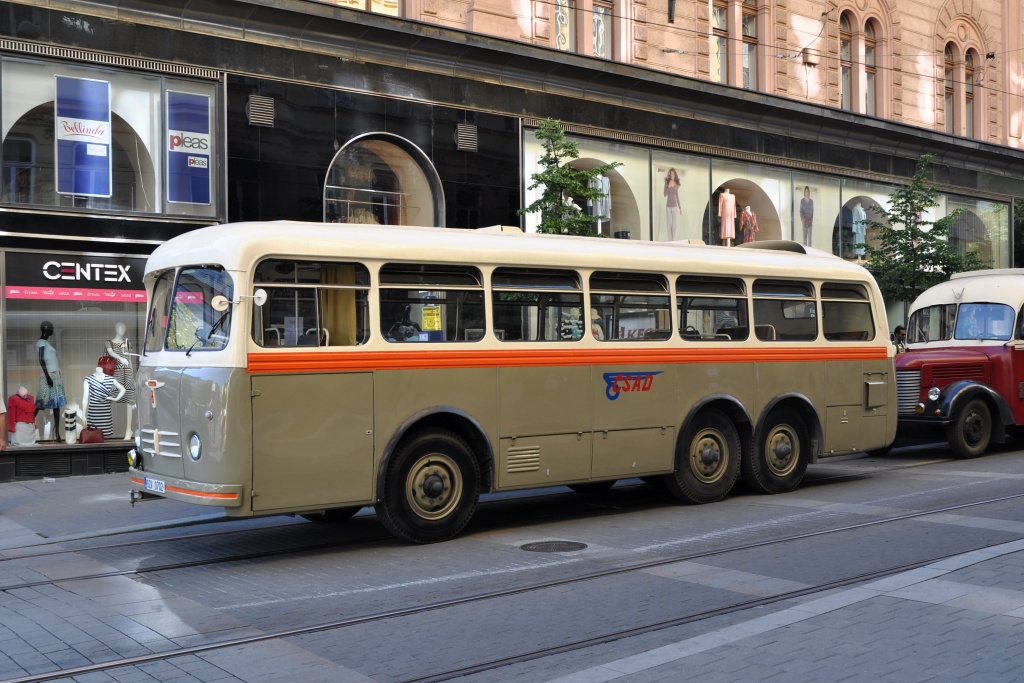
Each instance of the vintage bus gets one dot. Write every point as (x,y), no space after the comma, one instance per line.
(315,369)
(962,377)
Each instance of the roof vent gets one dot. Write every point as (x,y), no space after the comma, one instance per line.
(260,111)
(465,137)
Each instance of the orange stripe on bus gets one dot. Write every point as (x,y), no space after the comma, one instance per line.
(435,359)
(190,492)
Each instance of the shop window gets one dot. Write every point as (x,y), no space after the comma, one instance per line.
(69,309)
(629,307)
(381,179)
(311,304)
(93,139)
(431,303)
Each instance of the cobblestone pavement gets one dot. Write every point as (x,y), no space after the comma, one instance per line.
(956,619)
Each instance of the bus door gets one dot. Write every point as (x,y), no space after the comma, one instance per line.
(312,440)
(633,400)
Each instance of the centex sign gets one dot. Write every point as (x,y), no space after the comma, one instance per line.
(98,272)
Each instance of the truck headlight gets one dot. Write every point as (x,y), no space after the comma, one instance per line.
(195,447)
(933,394)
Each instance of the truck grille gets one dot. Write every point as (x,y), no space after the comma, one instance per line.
(908,391)
(950,373)
(159,442)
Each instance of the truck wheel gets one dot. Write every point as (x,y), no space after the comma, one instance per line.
(707,459)
(970,433)
(778,462)
(431,487)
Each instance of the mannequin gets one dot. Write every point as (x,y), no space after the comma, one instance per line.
(860,217)
(807,215)
(99,393)
(727,216)
(21,419)
(748,225)
(51,383)
(73,422)
(673,209)
(119,349)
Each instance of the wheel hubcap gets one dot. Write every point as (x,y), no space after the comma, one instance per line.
(708,456)
(434,486)
(782,451)
(973,428)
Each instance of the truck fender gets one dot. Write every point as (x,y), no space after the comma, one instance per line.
(956,395)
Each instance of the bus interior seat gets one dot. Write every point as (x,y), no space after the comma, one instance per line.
(765,332)
(732,333)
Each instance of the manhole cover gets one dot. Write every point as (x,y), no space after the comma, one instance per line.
(553,547)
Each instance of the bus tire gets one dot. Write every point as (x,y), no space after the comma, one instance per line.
(778,461)
(431,487)
(707,459)
(333,515)
(971,432)
(593,486)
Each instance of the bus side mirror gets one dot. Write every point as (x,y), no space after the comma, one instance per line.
(221,302)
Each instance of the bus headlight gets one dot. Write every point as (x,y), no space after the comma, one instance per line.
(195,447)
(933,394)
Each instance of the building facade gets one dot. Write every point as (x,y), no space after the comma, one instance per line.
(126,124)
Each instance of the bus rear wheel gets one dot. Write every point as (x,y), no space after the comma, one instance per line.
(970,433)
(707,459)
(431,487)
(333,515)
(779,460)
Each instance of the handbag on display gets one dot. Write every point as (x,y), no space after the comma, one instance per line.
(91,434)
(108,363)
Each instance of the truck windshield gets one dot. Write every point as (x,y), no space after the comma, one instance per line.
(984,321)
(182,317)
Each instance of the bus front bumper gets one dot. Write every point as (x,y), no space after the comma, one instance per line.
(197,493)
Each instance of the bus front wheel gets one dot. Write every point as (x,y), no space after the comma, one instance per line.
(970,433)
(431,487)
(707,460)
(779,460)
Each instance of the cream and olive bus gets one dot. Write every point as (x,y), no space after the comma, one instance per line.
(315,369)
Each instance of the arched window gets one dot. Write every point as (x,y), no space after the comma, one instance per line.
(870,70)
(947,78)
(970,67)
(845,63)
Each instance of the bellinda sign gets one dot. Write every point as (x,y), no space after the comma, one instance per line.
(83,137)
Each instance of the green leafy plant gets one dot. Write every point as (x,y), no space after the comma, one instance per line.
(563,184)
(911,253)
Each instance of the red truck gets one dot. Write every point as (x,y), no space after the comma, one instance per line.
(962,376)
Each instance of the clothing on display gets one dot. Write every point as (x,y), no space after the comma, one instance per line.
(21,419)
(748,225)
(672,207)
(49,396)
(124,373)
(73,421)
(727,215)
(807,218)
(602,206)
(99,411)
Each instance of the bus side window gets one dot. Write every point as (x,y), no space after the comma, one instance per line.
(784,310)
(537,304)
(430,303)
(629,306)
(846,312)
(311,304)
(711,308)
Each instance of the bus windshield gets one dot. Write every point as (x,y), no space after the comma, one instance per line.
(182,317)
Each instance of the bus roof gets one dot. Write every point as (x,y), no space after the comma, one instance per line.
(239,246)
(1001,286)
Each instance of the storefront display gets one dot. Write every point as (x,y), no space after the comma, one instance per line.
(63,313)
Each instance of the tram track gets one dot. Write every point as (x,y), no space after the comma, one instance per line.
(554,583)
(253,555)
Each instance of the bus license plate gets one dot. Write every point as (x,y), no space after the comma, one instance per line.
(155,485)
